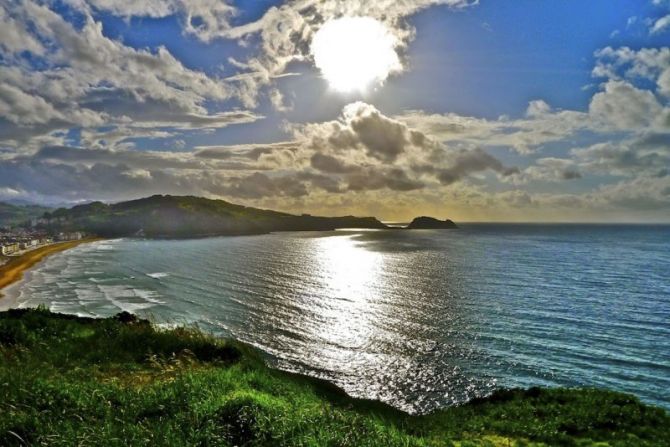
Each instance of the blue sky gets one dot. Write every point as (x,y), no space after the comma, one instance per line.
(500,110)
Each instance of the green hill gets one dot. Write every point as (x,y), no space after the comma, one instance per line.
(187,216)
(11,215)
(120,381)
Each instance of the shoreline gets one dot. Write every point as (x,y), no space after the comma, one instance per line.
(116,367)
(13,271)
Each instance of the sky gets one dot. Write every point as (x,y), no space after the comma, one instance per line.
(489,110)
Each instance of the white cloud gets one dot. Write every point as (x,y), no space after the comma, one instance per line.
(15,37)
(547,169)
(541,126)
(538,108)
(660,25)
(622,106)
(22,108)
(281,36)
(368,149)
(651,194)
(618,106)
(205,19)
(363,150)
(647,63)
(59,74)
(82,63)
(647,155)
(87,79)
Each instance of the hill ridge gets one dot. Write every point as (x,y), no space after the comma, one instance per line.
(164,215)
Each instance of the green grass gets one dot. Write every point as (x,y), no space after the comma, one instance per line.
(71,381)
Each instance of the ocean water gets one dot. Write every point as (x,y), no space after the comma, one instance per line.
(418,319)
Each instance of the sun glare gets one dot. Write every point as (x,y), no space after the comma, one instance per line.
(355,53)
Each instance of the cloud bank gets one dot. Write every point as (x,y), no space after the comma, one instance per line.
(74,102)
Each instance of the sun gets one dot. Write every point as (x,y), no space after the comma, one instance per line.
(355,53)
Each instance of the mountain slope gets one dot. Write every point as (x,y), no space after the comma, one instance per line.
(16,214)
(188,216)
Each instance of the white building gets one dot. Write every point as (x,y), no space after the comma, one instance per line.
(9,249)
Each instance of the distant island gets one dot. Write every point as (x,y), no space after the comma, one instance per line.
(430,223)
(188,216)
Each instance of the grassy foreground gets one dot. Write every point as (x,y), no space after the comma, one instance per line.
(72,381)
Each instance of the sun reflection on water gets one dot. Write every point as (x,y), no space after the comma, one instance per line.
(351,276)
(351,272)
(418,320)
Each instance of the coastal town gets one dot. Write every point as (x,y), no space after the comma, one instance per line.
(16,241)
(26,242)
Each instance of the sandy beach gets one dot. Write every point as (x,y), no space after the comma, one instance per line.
(13,270)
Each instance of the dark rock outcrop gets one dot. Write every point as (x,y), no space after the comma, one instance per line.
(430,223)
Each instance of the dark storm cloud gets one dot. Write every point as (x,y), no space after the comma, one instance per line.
(249,151)
(383,137)
(330,164)
(647,154)
(372,179)
(369,151)
(259,185)
(571,175)
(470,161)
(364,129)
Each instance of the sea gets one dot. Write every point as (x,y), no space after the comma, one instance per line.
(419,319)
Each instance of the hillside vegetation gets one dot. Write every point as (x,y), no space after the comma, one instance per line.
(17,214)
(68,381)
(187,216)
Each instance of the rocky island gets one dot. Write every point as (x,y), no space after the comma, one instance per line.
(430,223)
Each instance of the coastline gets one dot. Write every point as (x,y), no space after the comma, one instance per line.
(12,271)
(122,380)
